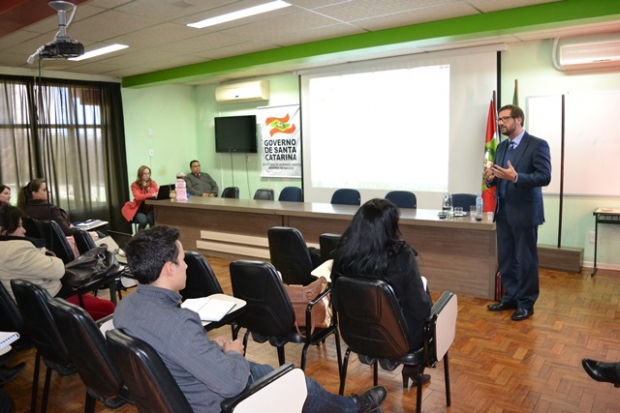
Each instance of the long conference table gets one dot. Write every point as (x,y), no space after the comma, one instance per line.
(455,254)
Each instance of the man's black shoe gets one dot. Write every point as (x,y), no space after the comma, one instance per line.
(371,399)
(9,373)
(501,307)
(522,314)
(605,372)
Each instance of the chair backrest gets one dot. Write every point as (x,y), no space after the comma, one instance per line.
(230,192)
(152,387)
(32,227)
(269,311)
(32,301)
(285,386)
(289,254)
(443,323)
(201,280)
(346,196)
(10,317)
(87,348)
(402,199)
(56,241)
(264,194)
(328,243)
(370,318)
(83,240)
(463,200)
(291,194)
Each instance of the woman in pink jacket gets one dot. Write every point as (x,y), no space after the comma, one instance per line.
(143,188)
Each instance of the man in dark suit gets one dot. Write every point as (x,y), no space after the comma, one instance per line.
(523,167)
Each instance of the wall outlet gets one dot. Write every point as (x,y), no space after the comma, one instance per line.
(591,236)
(151,153)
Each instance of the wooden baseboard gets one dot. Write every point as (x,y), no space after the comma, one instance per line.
(564,258)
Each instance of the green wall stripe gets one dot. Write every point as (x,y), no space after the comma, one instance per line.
(544,16)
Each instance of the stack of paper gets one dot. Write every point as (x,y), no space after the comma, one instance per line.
(208,308)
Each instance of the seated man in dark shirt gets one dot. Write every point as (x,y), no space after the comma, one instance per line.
(198,183)
(207,371)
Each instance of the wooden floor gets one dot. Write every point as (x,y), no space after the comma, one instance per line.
(496,365)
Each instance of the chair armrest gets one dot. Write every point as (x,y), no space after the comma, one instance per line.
(104,319)
(312,304)
(435,346)
(440,304)
(229,404)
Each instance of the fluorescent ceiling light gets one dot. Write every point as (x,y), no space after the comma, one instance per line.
(251,11)
(100,51)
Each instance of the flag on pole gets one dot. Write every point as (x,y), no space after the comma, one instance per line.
(488,194)
(515,96)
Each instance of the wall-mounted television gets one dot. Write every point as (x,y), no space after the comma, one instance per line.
(235,134)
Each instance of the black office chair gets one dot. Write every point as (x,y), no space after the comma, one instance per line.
(202,282)
(231,192)
(291,194)
(264,194)
(269,313)
(378,330)
(32,227)
(463,200)
(89,353)
(289,254)
(11,320)
(32,301)
(83,240)
(56,241)
(328,243)
(152,387)
(402,199)
(346,197)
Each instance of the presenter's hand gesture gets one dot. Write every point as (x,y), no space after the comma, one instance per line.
(488,174)
(507,173)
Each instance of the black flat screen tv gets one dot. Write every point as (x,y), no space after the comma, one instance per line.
(235,134)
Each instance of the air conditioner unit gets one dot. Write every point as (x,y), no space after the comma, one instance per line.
(589,55)
(243,92)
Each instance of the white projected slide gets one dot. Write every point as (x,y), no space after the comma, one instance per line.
(390,144)
(414,123)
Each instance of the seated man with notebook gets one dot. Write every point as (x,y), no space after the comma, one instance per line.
(207,371)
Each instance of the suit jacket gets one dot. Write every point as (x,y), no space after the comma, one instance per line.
(201,185)
(523,199)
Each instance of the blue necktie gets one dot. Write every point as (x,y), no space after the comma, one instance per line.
(510,154)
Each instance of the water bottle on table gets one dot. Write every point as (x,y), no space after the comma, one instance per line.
(479,207)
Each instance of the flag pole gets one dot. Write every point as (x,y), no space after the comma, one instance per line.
(562,172)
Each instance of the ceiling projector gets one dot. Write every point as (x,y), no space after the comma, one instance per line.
(62,47)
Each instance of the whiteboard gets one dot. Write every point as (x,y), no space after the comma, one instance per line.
(592,146)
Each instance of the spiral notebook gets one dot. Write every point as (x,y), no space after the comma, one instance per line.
(6,338)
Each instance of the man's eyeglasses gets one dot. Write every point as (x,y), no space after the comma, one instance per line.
(505,118)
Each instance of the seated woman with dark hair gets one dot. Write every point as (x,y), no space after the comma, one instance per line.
(373,247)
(5,195)
(21,259)
(33,202)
